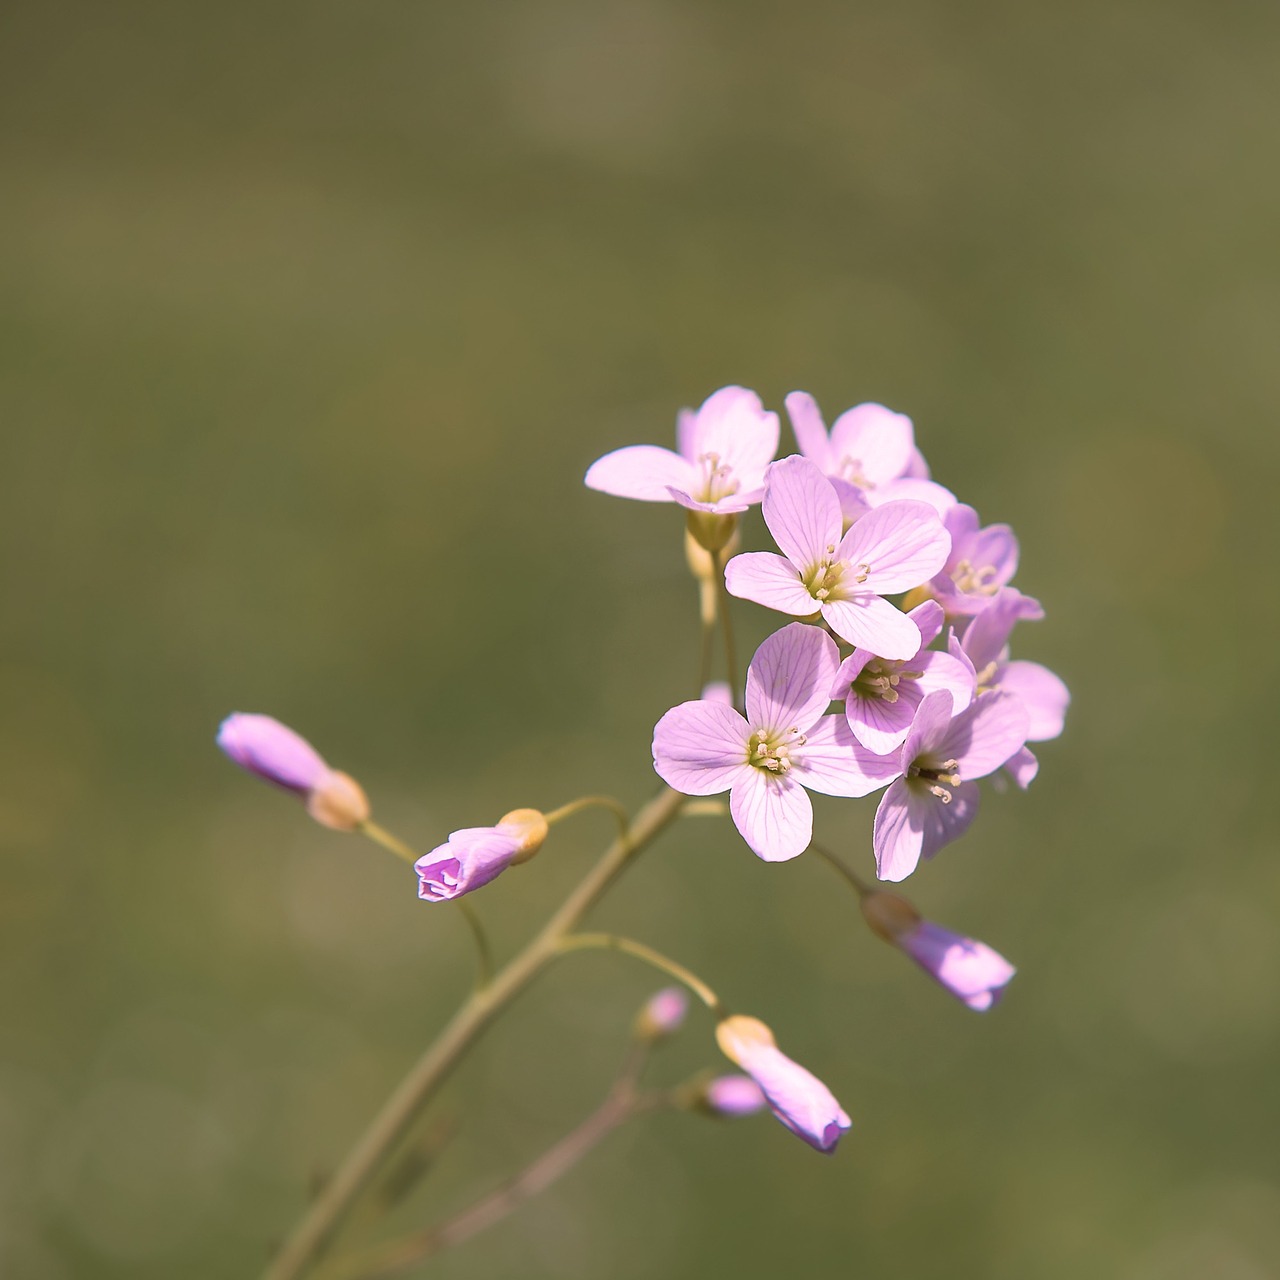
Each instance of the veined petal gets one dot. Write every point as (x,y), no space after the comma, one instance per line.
(929,616)
(943,823)
(789,680)
(809,429)
(985,734)
(1022,767)
(641,471)
(772,813)
(895,840)
(987,634)
(730,505)
(736,427)
(700,748)
(872,623)
(770,580)
(882,727)
(876,440)
(1043,694)
(834,763)
(997,548)
(929,728)
(903,543)
(913,490)
(802,511)
(941,671)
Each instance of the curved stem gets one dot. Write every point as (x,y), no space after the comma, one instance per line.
(615,942)
(860,886)
(484,953)
(587,802)
(331,1207)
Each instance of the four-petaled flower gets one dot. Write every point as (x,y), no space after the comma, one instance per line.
(842,576)
(723,450)
(784,744)
(981,561)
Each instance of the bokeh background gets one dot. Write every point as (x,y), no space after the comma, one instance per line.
(312,316)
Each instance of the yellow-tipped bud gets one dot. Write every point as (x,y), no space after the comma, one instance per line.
(739,1035)
(530,825)
(338,801)
(889,915)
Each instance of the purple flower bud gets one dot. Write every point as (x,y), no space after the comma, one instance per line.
(662,1015)
(470,858)
(276,754)
(733,1096)
(799,1099)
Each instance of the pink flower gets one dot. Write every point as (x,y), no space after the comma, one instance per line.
(935,795)
(842,576)
(881,695)
(273,751)
(971,971)
(662,1015)
(767,759)
(982,560)
(870,455)
(732,1095)
(470,858)
(799,1099)
(723,450)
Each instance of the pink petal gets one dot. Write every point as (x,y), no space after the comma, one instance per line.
(773,814)
(731,504)
(904,543)
(927,491)
(943,823)
(770,580)
(872,623)
(687,434)
(641,471)
(262,745)
(896,841)
(1042,693)
(810,431)
(789,680)
(942,671)
(985,735)
(734,425)
(933,718)
(880,726)
(700,748)
(802,511)
(970,970)
(929,616)
(995,546)
(987,634)
(1022,767)
(832,762)
(880,441)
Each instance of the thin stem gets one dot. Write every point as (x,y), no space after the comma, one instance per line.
(395,1256)
(860,886)
(615,942)
(328,1211)
(484,953)
(706,646)
(705,809)
(726,626)
(587,802)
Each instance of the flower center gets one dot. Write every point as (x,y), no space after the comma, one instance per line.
(717,478)
(880,679)
(770,749)
(941,777)
(975,580)
(825,579)
(850,469)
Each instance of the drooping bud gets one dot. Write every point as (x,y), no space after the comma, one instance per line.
(530,826)
(798,1098)
(661,1016)
(889,915)
(278,755)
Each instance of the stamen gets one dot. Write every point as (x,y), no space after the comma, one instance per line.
(942,793)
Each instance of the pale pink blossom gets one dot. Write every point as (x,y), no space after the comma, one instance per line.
(473,856)
(797,1097)
(870,455)
(880,695)
(766,759)
(843,576)
(934,795)
(723,450)
(981,561)
(277,754)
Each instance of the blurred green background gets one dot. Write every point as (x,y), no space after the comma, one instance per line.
(312,317)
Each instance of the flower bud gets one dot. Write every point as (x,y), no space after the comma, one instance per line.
(731,1095)
(799,1099)
(710,530)
(661,1015)
(889,915)
(530,827)
(278,755)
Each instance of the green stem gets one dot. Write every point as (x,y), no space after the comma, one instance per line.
(614,942)
(726,626)
(326,1214)
(587,802)
(860,886)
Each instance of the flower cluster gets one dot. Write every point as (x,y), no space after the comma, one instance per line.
(923,714)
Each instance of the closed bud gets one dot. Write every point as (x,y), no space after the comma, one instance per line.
(730,1095)
(889,916)
(661,1015)
(338,801)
